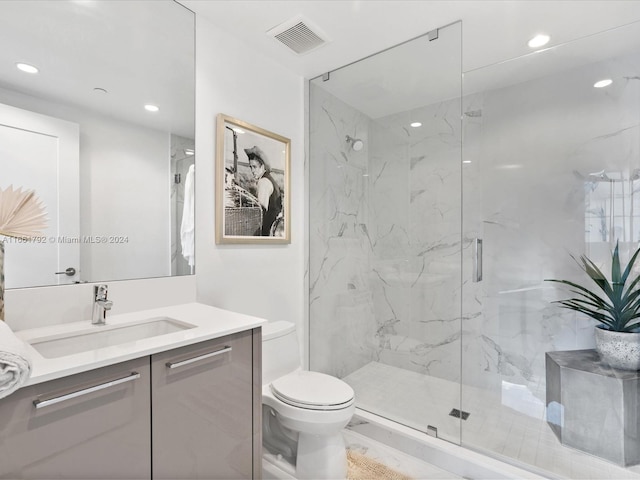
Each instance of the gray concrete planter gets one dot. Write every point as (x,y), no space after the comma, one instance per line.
(619,349)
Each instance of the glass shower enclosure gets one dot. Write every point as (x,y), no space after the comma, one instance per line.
(550,171)
(439,203)
(385,230)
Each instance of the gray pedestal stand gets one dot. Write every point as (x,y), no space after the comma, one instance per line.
(593,407)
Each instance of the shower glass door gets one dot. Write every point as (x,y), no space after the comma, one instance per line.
(385,230)
(551,169)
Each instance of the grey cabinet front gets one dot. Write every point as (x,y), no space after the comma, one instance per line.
(202,410)
(91,426)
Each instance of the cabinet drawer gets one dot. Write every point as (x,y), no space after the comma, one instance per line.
(202,410)
(93,425)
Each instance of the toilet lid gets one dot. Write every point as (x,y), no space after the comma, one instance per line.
(312,390)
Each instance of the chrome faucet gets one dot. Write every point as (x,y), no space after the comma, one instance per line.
(100,305)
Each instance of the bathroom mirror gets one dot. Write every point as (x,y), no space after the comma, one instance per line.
(103,133)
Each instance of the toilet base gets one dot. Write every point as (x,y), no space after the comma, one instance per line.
(275,467)
(321,457)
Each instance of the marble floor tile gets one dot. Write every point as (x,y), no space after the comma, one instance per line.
(417,400)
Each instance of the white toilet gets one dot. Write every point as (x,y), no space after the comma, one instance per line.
(303,412)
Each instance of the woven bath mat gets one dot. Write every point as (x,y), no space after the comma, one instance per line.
(365,468)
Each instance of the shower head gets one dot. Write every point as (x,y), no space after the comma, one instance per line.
(355,143)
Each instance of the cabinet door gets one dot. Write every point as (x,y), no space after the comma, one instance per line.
(202,410)
(93,425)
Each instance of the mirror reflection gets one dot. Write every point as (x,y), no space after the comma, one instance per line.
(97,117)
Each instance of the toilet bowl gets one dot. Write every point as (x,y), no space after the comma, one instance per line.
(303,412)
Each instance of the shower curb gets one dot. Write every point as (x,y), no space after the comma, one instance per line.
(456,459)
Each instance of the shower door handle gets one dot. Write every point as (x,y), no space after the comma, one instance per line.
(477,259)
(70,272)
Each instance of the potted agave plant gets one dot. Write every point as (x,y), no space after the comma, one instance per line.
(616,306)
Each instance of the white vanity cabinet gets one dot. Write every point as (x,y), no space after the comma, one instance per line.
(192,412)
(93,425)
(203,410)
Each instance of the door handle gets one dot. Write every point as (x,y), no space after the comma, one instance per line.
(69,272)
(477,259)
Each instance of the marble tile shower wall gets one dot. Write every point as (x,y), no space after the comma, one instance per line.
(415,222)
(342,327)
(385,239)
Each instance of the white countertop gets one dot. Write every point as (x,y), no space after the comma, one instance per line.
(209,322)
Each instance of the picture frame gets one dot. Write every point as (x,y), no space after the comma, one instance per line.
(252,184)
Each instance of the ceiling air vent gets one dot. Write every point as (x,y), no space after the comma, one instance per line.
(299,35)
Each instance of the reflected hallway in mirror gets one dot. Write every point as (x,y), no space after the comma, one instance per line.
(109,188)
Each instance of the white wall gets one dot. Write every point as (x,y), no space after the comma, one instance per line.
(125,192)
(262,280)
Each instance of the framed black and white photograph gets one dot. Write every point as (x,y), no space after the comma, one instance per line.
(252,184)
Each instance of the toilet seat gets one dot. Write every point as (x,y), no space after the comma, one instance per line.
(312,391)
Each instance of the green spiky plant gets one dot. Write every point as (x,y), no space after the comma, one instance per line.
(619,309)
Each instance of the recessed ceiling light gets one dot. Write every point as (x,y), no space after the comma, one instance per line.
(539,40)
(603,83)
(151,108)
(466,161)
(25,67)
(416,124)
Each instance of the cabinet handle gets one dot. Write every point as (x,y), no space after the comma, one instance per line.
(226,349)
(78,393)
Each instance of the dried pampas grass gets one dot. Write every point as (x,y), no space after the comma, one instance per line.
(22,214)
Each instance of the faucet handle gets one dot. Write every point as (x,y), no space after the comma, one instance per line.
(100,292)
(100,304)
(106,304)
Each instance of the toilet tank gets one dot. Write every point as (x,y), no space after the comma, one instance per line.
(280,350)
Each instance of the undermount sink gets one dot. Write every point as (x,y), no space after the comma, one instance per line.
(95,337)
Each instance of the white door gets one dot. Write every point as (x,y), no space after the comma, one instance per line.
(41,153)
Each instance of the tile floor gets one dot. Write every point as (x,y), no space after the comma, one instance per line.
(509,423)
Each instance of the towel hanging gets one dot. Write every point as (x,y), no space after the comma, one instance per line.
(187,228)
